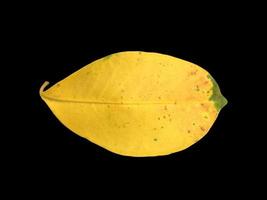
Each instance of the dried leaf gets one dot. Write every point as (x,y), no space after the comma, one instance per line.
(137,103)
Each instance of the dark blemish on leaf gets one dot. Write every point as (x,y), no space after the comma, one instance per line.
(159,97)
(164,116)
(162,127)
(205,117)
(202,104)
(165,108)
(155,129)
(193,73)
(108,106)
(203,129)
(158,118)
(155,139)
(194,124)
(208,92)
(175,102)
(169,115)
(140,52)
(58,85)
(197,88)
(122,90)
(188,131)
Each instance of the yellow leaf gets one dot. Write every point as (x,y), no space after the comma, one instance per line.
(137,103)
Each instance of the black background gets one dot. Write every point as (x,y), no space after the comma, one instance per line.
(52,45)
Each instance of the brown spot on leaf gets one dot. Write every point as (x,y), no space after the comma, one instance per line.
(192,73)
(202,128)
(205,106)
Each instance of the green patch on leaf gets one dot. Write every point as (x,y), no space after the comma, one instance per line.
(219,100)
